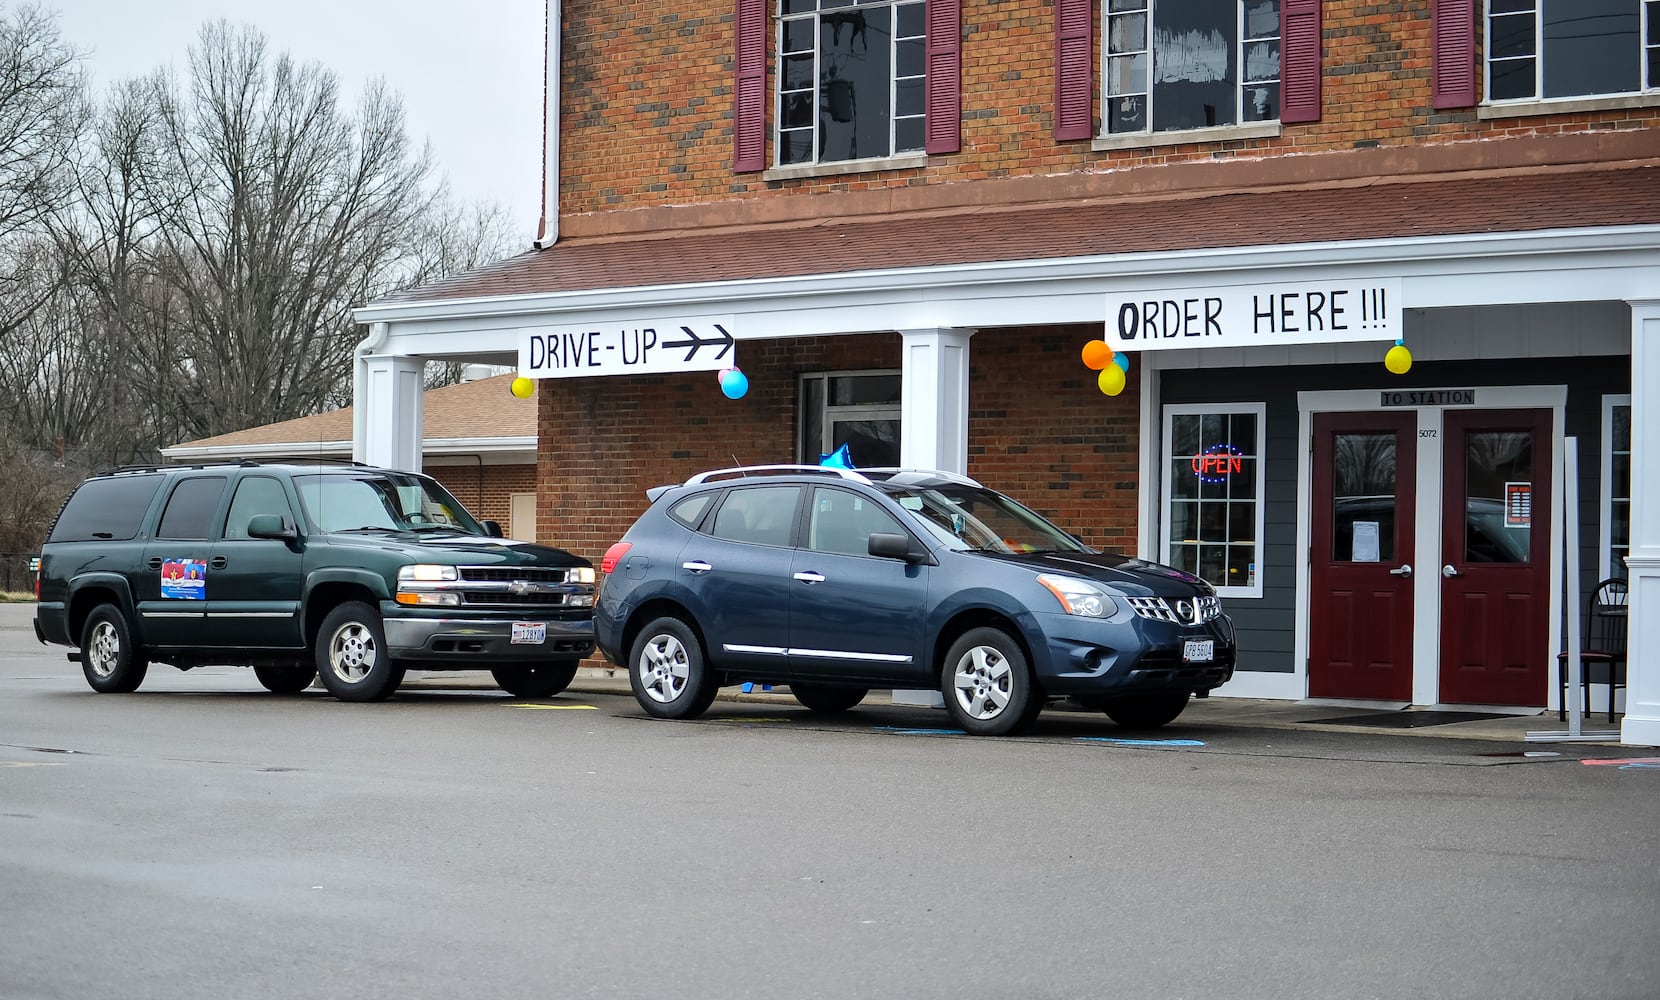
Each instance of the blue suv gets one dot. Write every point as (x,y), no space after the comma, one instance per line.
(835,581)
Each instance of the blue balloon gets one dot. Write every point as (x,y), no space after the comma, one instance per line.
(734,383)
(838,459)
(1122,360)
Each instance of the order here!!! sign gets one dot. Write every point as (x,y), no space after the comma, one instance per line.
(649,347)
(1253,315)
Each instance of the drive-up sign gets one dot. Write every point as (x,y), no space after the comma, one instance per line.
(648,347)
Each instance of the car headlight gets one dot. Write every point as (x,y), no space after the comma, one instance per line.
(1079,597)
(423,571)
(580,574)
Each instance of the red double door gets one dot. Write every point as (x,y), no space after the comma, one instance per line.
(1492,580)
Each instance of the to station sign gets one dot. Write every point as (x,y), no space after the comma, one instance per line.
(652,347)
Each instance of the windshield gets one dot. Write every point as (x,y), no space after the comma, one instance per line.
(387,501)
(968,517)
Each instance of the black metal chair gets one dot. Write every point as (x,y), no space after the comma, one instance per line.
(1602,648)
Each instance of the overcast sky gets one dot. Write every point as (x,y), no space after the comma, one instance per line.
(470,74)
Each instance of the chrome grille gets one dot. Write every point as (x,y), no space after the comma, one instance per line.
(520,587)
(1187,611)
(507,574)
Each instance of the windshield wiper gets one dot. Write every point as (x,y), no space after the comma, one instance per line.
(371,527)
(458,529)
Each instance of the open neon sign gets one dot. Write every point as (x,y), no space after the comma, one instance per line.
(1216,463)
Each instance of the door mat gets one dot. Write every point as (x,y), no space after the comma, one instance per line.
(1407,720)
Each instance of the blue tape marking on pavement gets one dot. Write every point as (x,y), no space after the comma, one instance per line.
(1140,743)
(902,731)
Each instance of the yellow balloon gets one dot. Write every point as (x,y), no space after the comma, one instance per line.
(1111,380)
(1398,360)
(523,387)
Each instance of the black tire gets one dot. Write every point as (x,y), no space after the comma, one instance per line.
(109,658)
(543,680)
(352,658)
(285,680)
(1146,711)
(827,699)
(667,671)
(987,684)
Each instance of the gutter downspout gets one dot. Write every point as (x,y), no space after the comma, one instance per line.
(547,233)
(376,339)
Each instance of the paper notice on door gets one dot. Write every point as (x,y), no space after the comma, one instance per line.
(1366,542)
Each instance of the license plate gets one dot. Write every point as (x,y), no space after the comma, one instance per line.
(530,633)
(1199,650)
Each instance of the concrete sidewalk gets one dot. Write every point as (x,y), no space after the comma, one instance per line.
(1499,725)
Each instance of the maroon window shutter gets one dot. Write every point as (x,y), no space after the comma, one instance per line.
(1074,70)
(749,93)
(943,79)
(1300,61)
(1453,27)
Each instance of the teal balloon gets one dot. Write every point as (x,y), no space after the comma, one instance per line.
(841,458)
(1122,360)
(734,383)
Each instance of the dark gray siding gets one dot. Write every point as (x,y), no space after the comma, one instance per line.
(1267,625)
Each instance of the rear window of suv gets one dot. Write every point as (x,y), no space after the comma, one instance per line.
(106,509)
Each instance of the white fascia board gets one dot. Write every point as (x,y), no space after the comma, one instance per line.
(1438,270)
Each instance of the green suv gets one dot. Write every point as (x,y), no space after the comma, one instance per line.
(350,573)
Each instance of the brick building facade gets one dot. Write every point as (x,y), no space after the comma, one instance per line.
(930,207)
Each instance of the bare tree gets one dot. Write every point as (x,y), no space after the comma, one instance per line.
(40,111)
(280,214)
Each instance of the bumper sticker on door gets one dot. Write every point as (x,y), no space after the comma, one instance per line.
(184,580)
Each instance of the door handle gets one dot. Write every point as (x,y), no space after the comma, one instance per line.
(696,566)
(218,562)
(1448,571)
(1403,570)
(809,577)
(154,563)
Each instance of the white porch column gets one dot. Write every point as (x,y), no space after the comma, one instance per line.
(1641,725)
(933,431)
(390,409)
(934,409)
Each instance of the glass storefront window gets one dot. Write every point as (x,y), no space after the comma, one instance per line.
(1616,485)
(1213,474)
(858,409)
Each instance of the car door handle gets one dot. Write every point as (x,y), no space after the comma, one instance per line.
(809,577)
(219,562)
(1405,570)
(696,566)
(154,563)
(1449,572)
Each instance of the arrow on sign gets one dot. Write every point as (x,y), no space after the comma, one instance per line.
(694,342)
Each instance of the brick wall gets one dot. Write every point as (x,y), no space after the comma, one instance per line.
(486,492)
(647,113)
(1038,429)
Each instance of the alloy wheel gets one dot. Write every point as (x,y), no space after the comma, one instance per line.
(983,682)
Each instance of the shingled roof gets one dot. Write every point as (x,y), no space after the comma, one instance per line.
(483,409)
(1622,193)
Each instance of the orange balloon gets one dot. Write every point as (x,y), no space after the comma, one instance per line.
(1097,355)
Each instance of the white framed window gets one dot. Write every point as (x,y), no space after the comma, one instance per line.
(860,409)
(1547,49)
(1174,65)
(1212,489)
(850,79)
(1616,485)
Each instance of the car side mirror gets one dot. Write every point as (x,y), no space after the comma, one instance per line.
(492,528)
(271,526)
(893,545)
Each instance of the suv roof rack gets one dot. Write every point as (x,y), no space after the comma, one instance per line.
(894,473)
(782,470)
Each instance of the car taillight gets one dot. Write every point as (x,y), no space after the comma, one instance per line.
(613,555)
